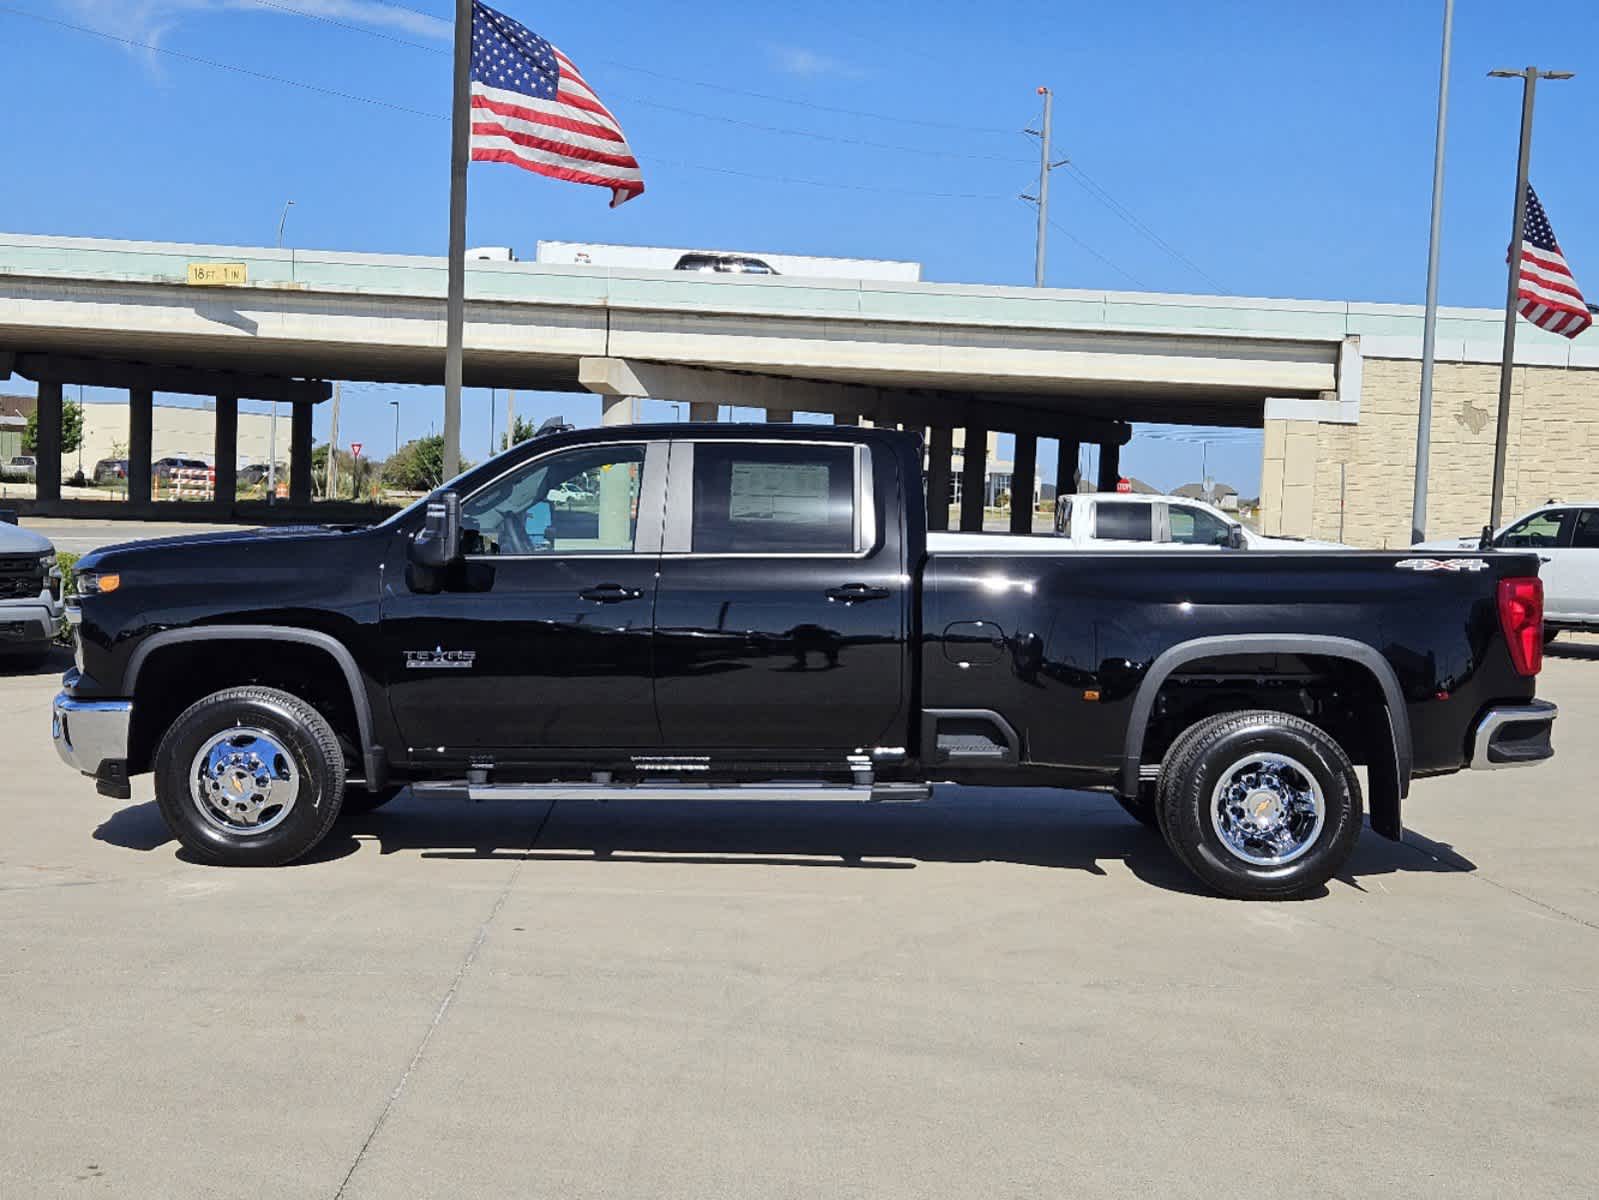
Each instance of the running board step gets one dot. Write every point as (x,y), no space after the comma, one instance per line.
(815,793)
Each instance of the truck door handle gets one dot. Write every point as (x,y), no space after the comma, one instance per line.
(1545,558)
(610,593)
(854,593)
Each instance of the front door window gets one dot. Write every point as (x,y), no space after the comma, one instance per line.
(584,501)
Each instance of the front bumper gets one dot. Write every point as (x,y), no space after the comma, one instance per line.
(28,626)
(92,735)
(1513,735)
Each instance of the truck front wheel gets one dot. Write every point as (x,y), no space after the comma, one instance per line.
(250,776)
(1260,805)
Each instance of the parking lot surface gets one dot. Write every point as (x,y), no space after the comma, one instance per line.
(992,994)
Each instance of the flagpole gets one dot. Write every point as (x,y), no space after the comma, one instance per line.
(455,305)
(1529,86)
(1429,325)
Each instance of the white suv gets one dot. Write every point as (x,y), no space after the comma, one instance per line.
(1566,537)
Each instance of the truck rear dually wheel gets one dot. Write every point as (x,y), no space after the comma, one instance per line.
(1260,805)
(250,776)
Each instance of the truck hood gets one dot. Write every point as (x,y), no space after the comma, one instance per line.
(16,540)
(124,552)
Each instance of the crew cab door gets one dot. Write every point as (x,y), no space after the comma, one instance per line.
(543,642)
(783,608)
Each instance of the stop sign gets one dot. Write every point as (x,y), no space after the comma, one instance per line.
(1122,485)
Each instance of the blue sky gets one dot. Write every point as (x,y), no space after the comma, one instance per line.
(1279,149)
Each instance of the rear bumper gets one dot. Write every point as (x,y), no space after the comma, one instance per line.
(91,735)
(1513,735)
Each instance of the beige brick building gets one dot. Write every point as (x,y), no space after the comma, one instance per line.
(1353,481)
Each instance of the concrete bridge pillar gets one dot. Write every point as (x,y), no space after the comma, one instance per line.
(974,474)
(703,411)
(300,453)
(1021,483)
(779,416)
(940,449)
(226,456)
(47,450)
(141,419)
(1110,466)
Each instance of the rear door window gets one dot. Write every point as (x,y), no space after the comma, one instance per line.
(1585,536)
(773,499)
(1121,522)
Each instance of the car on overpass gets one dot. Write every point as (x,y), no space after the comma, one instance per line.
(725,264)
(1565,536)
(760,613)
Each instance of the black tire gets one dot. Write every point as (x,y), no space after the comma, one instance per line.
(1549,635)
(312,752)
(358,800)
(1189,782)
(1144,807)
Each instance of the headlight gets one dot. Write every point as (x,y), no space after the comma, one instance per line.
(95,583)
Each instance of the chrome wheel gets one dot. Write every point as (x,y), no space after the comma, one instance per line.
(1268,809)
(244,781)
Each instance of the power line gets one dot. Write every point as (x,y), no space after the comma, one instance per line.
(1094,189)
(221,66)
(782,130)
(1087,249)
(823,183)
(387,37)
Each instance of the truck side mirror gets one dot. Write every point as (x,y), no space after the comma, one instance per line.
(1235,537)
(438,543)
(1486,541)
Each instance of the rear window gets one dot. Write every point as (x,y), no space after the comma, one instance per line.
(773,499)
(1124,522)
(1586,534)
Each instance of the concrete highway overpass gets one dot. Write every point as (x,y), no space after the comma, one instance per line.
(1329,381)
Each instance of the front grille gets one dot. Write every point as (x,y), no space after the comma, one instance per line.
(20,577)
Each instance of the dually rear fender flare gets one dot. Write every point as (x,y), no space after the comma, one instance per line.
(1323,646)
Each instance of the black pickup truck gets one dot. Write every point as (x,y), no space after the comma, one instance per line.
(760,613)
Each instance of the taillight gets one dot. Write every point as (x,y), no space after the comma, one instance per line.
(1521,617)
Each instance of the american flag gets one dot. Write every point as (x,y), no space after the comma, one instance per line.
(1546,293)
(532,108)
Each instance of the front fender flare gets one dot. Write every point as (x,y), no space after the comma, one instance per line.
(371,754)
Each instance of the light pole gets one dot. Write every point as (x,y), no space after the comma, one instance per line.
(1529,85)
(287,205)
(395,405)
(1429,325)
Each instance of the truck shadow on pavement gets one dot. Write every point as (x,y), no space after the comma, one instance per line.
(53,662)
(1034,827)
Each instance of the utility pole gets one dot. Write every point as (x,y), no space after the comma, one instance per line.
(1429,325)
(333,445)
(272,458)
(493,413)
(510,419)
(455,301)
(1045,166)
(395,405)
(1529,85)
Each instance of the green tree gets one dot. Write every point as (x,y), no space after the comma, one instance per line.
(523,432)
(418,466)
(71,430)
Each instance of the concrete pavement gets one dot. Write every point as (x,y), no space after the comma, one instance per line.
(989,995)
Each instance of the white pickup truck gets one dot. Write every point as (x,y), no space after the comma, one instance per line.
(30,596)
(1130,521)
